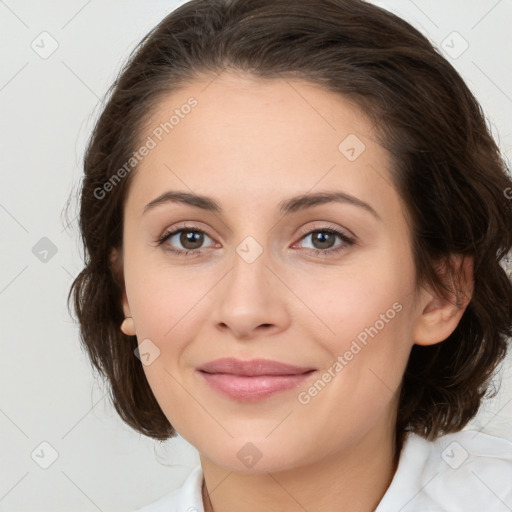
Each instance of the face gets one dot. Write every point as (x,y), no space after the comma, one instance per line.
(251,273)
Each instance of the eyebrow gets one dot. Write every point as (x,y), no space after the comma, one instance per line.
(288,206)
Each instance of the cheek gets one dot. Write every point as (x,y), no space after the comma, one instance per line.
(169,305)
(165,306)
(362,322)
(164,299)
(353,303)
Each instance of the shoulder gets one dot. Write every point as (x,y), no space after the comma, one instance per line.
(466,471)
(186,498)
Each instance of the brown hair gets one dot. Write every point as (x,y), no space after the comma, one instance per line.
(447,169)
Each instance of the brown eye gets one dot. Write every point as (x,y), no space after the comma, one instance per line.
(323,241)
(191,239)
(183,241)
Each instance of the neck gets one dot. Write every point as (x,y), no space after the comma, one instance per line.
(353,480)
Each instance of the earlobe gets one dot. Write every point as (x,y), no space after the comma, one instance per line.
(440,316)
(128,326)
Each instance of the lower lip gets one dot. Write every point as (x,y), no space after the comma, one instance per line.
(253,389)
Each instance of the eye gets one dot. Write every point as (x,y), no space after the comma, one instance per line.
(190,237)
(323,239)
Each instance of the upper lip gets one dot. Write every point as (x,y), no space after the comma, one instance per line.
(253,367)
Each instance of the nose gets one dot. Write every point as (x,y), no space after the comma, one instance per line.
(251,299)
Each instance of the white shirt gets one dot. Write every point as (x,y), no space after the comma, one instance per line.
(463,472)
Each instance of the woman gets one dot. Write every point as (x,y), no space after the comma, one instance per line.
(295,221)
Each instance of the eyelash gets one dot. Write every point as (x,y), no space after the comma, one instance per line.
(348,241)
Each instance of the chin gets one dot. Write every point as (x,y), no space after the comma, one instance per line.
(242,455)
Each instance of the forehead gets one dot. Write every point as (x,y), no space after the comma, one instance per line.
(239,137)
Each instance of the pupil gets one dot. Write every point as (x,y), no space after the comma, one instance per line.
(323,238)
(191,237)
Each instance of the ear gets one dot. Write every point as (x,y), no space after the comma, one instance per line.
(116,267)
(440,316)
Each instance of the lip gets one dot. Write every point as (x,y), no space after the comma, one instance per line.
(254,380)
(252,368)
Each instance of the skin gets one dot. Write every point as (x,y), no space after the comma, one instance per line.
(249,144)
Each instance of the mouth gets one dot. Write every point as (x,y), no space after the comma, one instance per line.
(254,380)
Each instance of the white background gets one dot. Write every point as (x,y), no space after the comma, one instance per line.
(48,107)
